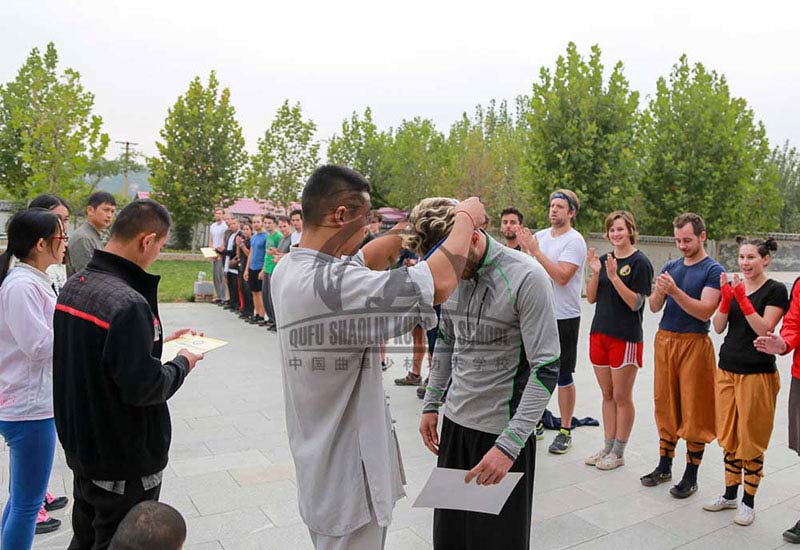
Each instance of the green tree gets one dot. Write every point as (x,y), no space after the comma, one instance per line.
(49,137)
(365,149)
(415,162)
(786,161)
(580,135)
(482,157)
(704,152)
(506,140)
(201,155)
(468,165)
(287,154)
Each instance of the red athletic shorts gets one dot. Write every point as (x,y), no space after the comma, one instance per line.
(605,351)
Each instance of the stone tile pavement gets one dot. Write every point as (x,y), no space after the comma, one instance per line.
(231,473)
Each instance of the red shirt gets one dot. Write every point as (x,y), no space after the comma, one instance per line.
(790,331)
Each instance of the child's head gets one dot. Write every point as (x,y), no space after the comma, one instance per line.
(149,525)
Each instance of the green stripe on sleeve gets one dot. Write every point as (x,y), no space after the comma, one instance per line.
(513,436)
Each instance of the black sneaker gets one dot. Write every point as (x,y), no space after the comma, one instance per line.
(561,443)
(539,431)
(54,503)
(421,391)
(792,535)
(255,319)
(683,489)
(656,477)
(46,524)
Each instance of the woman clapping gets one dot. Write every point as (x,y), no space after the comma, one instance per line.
(619,285)
(747,381)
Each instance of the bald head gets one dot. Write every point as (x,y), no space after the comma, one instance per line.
(150,525)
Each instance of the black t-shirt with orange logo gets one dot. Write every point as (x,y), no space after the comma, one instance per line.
(612,316)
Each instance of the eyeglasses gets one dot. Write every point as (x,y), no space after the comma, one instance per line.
(64,238)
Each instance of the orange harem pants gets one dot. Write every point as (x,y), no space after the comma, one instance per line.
(745,416)
(684,392)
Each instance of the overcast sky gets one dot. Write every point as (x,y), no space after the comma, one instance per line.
(428,58)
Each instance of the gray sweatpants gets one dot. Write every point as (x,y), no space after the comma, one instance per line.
(219,279)
(369,537)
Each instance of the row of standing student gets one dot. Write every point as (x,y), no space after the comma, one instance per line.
(250,251)
(694,400)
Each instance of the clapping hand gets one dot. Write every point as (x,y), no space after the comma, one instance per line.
(611,267)
(527,240)
(594,261)
(666,284)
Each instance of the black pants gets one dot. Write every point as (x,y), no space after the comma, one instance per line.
(247,296)
(96,513)
(233,289)
(266,297)
(462,448)
(568,330)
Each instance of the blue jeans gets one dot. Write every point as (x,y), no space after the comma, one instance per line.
(32,444)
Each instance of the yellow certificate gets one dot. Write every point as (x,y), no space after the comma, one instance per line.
(208,252)
(192,343)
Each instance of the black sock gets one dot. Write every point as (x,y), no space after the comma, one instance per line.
(665,465)
(731,492)
(749,499)
(690,474)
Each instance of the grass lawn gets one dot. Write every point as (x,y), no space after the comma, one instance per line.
(177,279)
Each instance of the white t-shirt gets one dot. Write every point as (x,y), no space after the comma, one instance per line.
(218,233)
(295,238)
(569,247)
(226,267)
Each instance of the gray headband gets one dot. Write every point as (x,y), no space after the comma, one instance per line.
(560,195)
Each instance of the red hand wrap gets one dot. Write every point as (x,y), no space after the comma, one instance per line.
(744,302)
(727,299)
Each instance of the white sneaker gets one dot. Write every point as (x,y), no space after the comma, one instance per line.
(744,515)
(610,462)
(720,503)
(595,458)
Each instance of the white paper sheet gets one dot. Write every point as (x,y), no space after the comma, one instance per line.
(445,488)
(193,343)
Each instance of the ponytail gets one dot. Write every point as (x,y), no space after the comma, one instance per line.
(5,264)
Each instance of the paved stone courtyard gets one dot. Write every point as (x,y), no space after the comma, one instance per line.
(231,473)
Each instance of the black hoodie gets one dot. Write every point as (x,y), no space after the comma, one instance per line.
(109,385)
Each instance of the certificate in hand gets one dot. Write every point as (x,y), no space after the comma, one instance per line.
(446,489)
(190,342)
(209,253)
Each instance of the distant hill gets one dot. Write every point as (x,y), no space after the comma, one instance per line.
(137,181)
